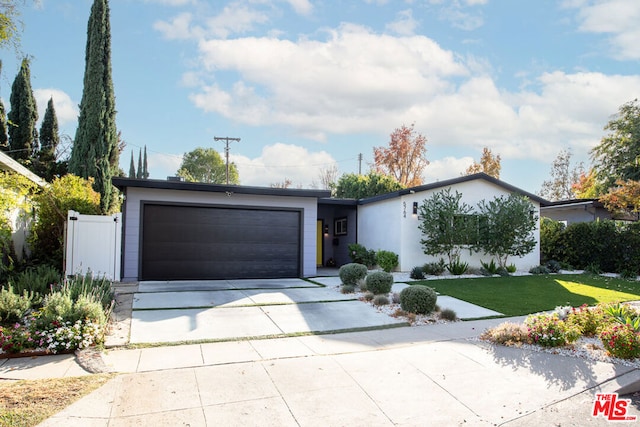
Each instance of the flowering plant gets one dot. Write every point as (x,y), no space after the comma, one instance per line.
(549,331)
(587,319)
(16,338)
(620,340)
(70,336)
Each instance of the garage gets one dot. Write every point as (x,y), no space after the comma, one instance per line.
(219,242)
(176,230)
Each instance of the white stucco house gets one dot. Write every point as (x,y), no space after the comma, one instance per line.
(179,230)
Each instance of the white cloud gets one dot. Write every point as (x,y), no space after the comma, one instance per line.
(66,109)
(404,24)
(280,161)
(172,2)
(446,168)
(302,7)
(618,18)
(160,165)
(179,28)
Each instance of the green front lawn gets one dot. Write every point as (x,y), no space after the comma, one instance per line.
(521,295)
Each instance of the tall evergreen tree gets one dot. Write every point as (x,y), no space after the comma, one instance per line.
(23,136)
(95,151)
(145,166)
(4,139)
(132,167)
(49,140)
(139,173)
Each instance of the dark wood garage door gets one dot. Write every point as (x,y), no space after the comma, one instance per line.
(194,242)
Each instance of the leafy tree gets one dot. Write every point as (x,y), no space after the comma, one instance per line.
(507,227)
(10,24)
(585,187)
(46,165)
(618,154)
(132,167)
(354,186)
(404,158)
(69,192)
(444,224)
(625,197)
(489,164)
(207,165)
(23,136)
(96,147)
(563,178)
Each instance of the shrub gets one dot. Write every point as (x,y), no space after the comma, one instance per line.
(457,267)
(40,279)
(418,299)
(593,268)
(511,268)
(379,282)
(368,296)
(490,268)
(16,339)
(57,307)
(448,314)
(87,309)
(512,334)
(98,288)
(434,268)
(588,320)
(624,314)
(417,273)
(348,289)
(395,298)
(351,274)
(360,255)
(380,300)
(387,260)
(13,307)
(540,269)
(502,271)
(548,330)
(621,341)
(553,266)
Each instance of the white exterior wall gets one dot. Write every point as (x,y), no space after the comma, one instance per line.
(379,225)
(135,196)
(408,235)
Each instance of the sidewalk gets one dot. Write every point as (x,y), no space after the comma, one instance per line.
(426,375)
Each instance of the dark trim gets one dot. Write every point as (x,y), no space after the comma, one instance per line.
(450,182)
(338,202)
(123,183)
(144,203)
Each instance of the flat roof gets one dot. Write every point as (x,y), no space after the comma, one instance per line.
(122,183)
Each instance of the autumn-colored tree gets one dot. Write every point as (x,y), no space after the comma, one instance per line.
(405,157)
(489,164)
(625,197)
(586,187)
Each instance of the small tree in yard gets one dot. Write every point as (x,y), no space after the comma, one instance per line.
(507,227)
(443,226)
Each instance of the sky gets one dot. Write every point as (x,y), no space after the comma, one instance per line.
(310,84)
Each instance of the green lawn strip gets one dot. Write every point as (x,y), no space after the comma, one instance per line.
(522,295)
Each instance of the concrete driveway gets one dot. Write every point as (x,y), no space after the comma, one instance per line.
(180,311)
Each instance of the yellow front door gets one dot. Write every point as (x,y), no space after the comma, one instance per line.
(319,242)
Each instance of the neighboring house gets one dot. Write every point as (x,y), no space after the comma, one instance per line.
(179,230)
(19,220)
(580,210)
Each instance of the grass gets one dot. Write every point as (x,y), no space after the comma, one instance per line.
(27,403)
(522,295)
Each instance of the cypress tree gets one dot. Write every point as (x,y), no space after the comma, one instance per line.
(23,136)
(139,173)
(49,140)
(145,169)
(4,139)
(132,167)
(95,150)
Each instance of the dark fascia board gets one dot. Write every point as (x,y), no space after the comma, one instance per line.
(572,202)
(123,183)
(454,181)
(337,202)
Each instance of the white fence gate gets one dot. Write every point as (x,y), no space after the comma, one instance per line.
(93,244)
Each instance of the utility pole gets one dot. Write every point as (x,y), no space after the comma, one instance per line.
(226,149)
(360,164)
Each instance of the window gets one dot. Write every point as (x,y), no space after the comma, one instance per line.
(340,226)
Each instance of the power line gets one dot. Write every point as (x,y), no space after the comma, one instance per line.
(226,149)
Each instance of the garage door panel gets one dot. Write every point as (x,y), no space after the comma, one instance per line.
(187,242)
